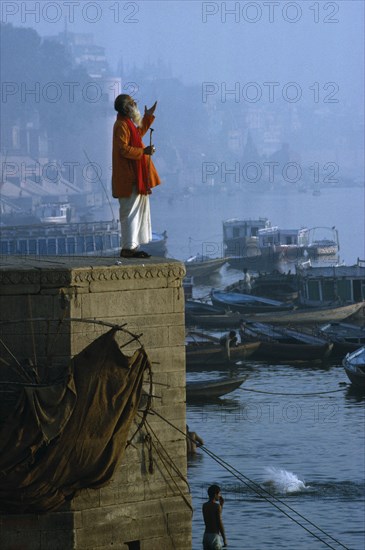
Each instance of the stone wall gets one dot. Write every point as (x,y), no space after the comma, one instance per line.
(146,505)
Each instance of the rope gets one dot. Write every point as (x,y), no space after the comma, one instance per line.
(32,333)
(297,394)
(147,408)
(19,367)
(171,464)
(241,477)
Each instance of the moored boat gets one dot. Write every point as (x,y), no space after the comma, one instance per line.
(354,365)
(275,285)
(229,319)
(286,344)
(99,238)
(308,316)
(206,354)
(325,245)
(242,248)
(345,337)
(212,389)
(202,266)
(331,285)
(247,303)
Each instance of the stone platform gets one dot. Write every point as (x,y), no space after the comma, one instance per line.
(43,303)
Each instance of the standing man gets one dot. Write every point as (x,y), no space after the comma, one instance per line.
(246,281)
(212,514)
(133,174)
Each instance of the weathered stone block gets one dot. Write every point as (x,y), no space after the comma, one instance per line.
(136,503)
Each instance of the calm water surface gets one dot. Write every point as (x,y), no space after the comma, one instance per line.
(194,223)
(319,439)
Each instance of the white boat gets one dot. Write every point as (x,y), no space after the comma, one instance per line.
(55,213)
(202,266)
(354,365)
(100,238)
(323,245)
(331,285)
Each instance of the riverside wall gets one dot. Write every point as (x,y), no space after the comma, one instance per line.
(42,303)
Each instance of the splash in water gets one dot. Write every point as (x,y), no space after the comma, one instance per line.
(283,481)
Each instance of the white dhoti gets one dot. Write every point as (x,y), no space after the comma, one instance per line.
(135,220)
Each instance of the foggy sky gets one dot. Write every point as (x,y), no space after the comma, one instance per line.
(234,50)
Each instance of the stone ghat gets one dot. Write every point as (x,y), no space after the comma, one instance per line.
(146,505)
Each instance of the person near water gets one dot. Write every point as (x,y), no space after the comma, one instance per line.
(228,341)
(133,174)
(214,535)
(192,441)
(246,281)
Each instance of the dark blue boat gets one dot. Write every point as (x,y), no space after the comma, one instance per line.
(247,303)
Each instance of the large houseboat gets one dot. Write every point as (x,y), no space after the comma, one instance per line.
(100,238)
(319,286)
(241,245)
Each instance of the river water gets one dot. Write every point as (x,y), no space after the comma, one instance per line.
(307,450)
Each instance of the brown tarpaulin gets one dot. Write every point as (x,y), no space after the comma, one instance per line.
(62,438)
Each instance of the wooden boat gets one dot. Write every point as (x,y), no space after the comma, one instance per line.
(323,246)
(308,316)
(324,286)
(212,389)
(259,261)
(286,344)
(99,238)
(345,337)
(158,245)
(298,316)
(194,307)
(354,365)
(202,266)
(278,287)
(201,308)
(206,354)
(216,320)
(247,303)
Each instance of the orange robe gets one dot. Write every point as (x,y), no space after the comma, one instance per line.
(123,173)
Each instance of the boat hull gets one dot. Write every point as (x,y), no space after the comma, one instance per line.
(204,355)
(247,303)
(296,352)
(212,389)
(305,316)
(354,365)
(204,268)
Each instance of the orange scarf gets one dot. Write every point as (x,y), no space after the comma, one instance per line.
(140,166)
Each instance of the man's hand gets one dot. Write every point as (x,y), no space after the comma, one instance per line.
(150,150)
(151,110)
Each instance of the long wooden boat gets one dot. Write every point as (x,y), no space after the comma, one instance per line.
(298,316)
(345,337)
(212,389)
(354,365)
(276,285)
(309,316)
(206,354)
(200,308)
(99,238)
(247,303)
(281,351)
(284,344)
(199,266)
